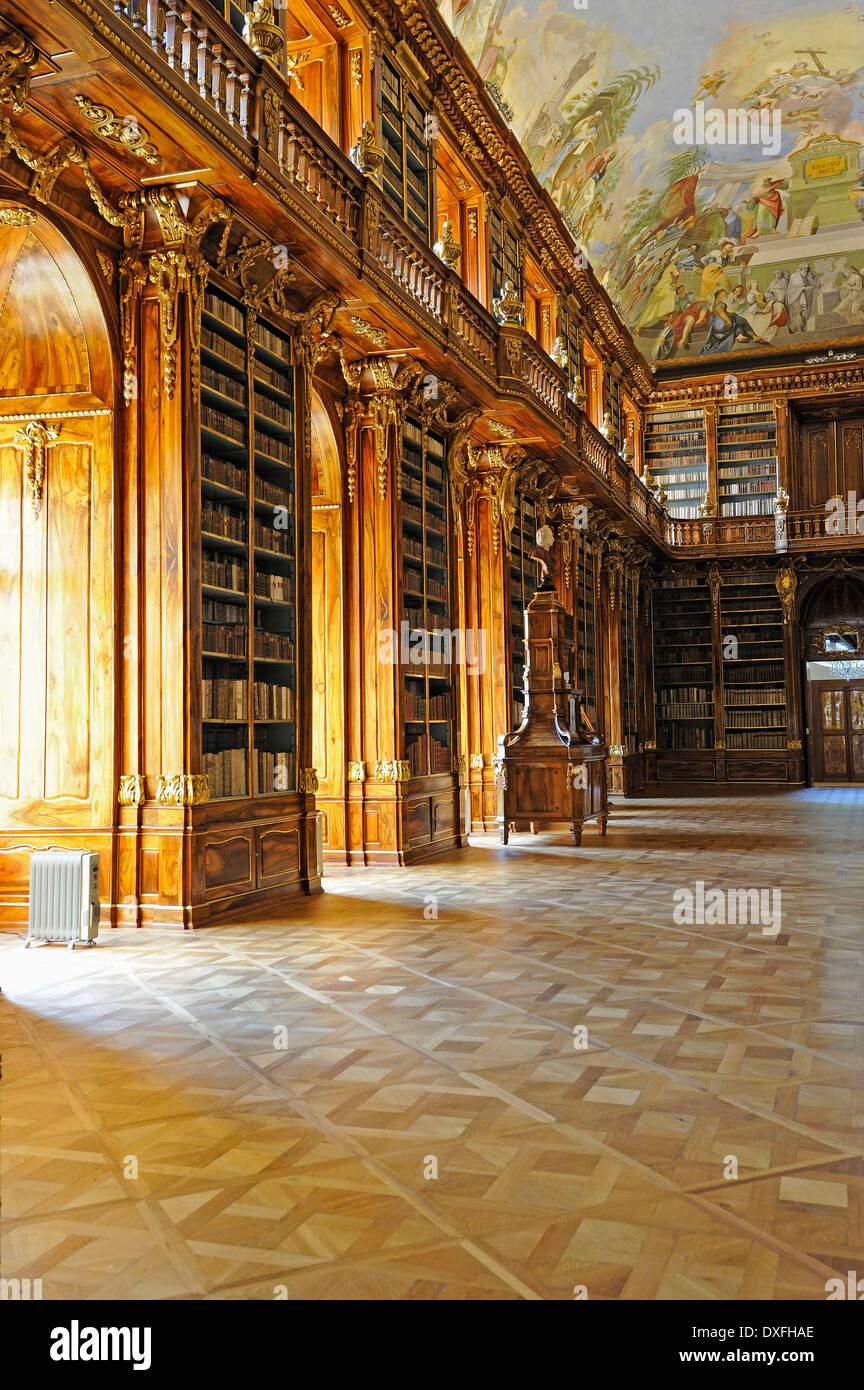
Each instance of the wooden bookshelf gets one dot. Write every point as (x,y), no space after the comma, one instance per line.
(407,172)
(612,403)
(746,458)
(676,456)
(586,629)
(248,555)
(427,694)
(683,665)
(754,680)
(505,259)
(628,660)
(523,581)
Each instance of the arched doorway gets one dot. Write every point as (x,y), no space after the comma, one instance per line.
(833,624)
(57,561)
(328,667)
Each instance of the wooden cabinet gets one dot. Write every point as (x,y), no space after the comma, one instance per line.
(831,462)
(550,770)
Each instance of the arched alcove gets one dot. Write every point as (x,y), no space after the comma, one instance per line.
(832,618)
(57,571)
(328,676)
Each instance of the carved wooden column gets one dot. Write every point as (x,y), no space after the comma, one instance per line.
(718,674)
(787,584)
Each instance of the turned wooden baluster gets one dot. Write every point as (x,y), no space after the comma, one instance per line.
(218,79)
(204,62)
(187,45)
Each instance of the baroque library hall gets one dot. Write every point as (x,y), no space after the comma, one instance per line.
(432,618)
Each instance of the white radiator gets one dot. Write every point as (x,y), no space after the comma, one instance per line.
(64,897)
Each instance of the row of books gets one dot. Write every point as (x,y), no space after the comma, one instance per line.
(277,493)
(223,571)
(757,487)
(279,587)
(272,538)
(274,771)
(757,697)
(743,719)
(756,445)
(229,352)
(218,470)
(689,656)
(680,675)
(274,410)
(228,639)
(279,449)
(746,408)
(686,737)
(681,619)
(439,755)
(224,310)
(221,520)
(754,507)
(276,646)
(415,754)
(273,376)
(226,769)
(679,476)
(223,699)
(271,342)
(698,709)
(271,701)
(767,672)
(225,385)
(223,423)
(753,741)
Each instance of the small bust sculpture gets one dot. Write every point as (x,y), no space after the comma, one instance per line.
(559,353)
(508,307)
(577,393)
(366,154)
(447,247)
(541,551)
(606,427)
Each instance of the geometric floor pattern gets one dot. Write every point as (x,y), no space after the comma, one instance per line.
(508,1074)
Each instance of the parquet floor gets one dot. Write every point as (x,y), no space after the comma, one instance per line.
(258,1111)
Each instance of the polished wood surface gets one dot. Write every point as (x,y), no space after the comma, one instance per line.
(410,1036)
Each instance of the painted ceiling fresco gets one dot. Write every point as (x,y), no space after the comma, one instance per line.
(707,156)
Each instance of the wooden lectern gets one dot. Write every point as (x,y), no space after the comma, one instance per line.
(553,767)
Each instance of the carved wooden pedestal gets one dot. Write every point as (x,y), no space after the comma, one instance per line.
(552,768)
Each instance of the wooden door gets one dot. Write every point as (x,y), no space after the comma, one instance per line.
(837,730)
(832,461)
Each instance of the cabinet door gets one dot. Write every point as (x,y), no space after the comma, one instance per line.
(818,465)
(831,704)
(850,457)
(856,731)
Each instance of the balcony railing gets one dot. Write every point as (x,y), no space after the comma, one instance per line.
(804,530)
(252,114)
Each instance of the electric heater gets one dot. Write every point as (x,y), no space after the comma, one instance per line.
(64,897)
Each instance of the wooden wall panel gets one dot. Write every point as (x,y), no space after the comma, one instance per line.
(68,615)
(11,598)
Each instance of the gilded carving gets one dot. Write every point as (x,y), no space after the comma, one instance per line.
(17,59)
(307,780)
(262,33)
(17,217)
(106,265)
(376,336)
(34,439)
(786,582)
(390,770)
(366,155)
(270,115)
(183,789)
(476,762)
(131,790)
(356,68)
(473,223)
(128,134)
(356,772)
(513,352)
(457,764)
(500,774)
